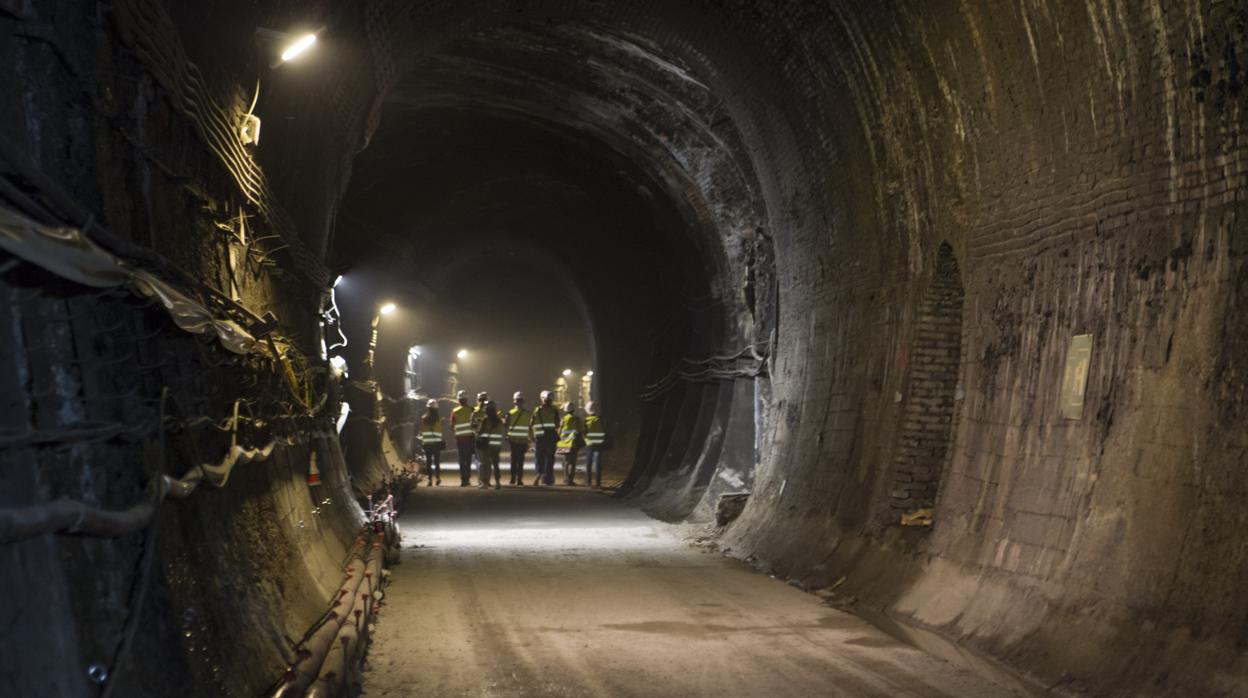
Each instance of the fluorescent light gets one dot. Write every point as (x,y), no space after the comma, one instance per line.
(386,309)
(303,44)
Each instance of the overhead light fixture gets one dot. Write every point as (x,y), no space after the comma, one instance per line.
(302,44)
(387,309)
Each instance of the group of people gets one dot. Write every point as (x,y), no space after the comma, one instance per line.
(480,431)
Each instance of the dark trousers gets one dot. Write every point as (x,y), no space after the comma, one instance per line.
(433,462)
(593,465)
(545,457)
(569,466)
(489,461)
(464,446)
(517,462)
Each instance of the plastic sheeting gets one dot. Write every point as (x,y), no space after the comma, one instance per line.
(69,253)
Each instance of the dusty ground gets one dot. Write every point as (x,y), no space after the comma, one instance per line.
(527,592)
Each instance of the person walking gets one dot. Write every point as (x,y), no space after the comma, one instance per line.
(595,445)
(461,424)
(490,444)
(571,439)
(478,413)
(519,430)
(545,423)
(431,441)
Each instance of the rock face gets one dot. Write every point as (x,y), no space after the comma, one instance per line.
(841,252)
(729,506)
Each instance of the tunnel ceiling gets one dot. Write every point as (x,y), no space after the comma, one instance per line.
(535,122)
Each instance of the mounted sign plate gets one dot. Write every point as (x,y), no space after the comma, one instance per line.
(1075,378)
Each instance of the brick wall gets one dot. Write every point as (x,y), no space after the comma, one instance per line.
(929,413)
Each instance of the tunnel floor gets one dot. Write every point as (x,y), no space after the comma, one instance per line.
(565,592)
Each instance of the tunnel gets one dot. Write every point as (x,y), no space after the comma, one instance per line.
(916,330)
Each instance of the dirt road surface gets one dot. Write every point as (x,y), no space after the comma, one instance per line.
(564,592)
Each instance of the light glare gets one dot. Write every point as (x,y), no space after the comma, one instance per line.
(303,44)
(567,372)
(386,309)
(463,354)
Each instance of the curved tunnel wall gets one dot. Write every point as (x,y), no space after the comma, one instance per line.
(1085,164)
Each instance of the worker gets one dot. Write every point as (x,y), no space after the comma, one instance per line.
(490,443)
(571,439)
(519,431)
(595,444)
(461,424)
(431,441)
(545,423)
(478,413)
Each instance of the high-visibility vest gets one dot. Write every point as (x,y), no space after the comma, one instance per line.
(493,435)
(518,421)
(568,431)
(478,414)
(461,420)
(431,434)
(545,417)
(594,434)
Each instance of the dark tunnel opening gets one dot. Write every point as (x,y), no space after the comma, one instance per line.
(932,311)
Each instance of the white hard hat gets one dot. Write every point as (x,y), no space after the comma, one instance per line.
(545,395)
(518,396)
(591,407)
(461,395)
(432,403)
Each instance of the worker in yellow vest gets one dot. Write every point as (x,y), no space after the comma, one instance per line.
(478,413)
(545,423)
(461,424)
(571,439)
(519,431)
(431,441)
(490,432)
(595,444)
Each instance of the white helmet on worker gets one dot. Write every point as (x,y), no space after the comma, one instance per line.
(432,404)
(547,396)
(591,407)
(517,397)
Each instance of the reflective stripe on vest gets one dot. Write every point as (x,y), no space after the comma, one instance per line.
(462,419)
(568,431)
(431,433)
(594,435)
(518,424)
(543,419)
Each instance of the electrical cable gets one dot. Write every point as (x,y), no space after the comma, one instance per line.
(131,628)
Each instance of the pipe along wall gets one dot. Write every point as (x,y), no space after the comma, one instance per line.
(870,237)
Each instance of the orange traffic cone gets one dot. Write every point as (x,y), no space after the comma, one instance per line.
(314,473)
